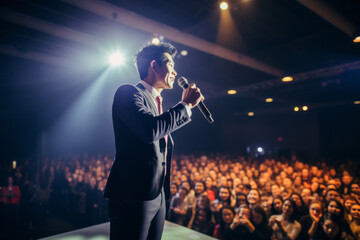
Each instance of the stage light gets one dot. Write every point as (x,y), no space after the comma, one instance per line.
(250,114)
(296,109)
(305,108)
(287,79)
(231,92)
(116,59)
(155,41)
(269,100)
(356,102)
(224,5)
(356,37)
(260,149)
(14,164)
(184,53)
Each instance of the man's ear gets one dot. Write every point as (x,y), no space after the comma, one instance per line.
(154,66)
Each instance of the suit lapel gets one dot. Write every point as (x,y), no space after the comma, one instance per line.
(154,109)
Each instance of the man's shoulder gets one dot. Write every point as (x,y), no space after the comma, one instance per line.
(127,89)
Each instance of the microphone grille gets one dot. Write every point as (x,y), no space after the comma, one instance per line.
(182,82)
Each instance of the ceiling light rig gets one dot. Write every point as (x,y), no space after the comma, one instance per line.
(184,53)
(287,79)
(356,37)
(224,5)
(155,41)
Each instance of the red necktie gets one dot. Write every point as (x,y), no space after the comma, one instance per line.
(158,101)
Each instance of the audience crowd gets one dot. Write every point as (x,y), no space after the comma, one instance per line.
(218,195)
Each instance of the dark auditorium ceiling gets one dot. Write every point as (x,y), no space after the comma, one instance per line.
(248,50)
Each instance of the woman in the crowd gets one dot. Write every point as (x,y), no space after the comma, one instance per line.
(240,200)
(223,199)
(174,188)
(310,223)
(355,222)
(348,202)
(178,207)
(250,224)
(331,229)
(253,198)
(192,199)
(297,187)
(302,209)
(227,214)
(203,201)
(276,206)
(202,222)
(285,226)
(336,208)
(210,188)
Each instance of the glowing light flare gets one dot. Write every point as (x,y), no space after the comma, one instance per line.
(287,79)
(116,59)
(356,39)
(356,102)
(296,109)
(269,100)
(305,108)
(260,149)
(155,41)
(250,114)
(184,53)
(231,92)
(224,5)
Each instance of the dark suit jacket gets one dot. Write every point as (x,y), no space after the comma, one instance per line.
(138,171)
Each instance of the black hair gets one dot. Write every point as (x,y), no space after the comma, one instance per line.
(332,217)
(151,52)
(273,211)
(207,212)
(218,194)
(222,223)
(185,189)
(261,211)
(294,214)
(207,200)
(341,214)
(301,199)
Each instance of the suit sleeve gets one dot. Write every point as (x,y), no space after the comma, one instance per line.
(130,107)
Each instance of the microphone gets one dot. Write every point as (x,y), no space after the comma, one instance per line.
(183,83)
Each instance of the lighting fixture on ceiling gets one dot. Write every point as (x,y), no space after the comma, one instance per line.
(287,79)
(224,5)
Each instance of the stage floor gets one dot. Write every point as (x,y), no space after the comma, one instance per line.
(101,232)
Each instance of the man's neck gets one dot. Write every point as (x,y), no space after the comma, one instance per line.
(152,83)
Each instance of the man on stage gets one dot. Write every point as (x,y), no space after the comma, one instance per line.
(139,180)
